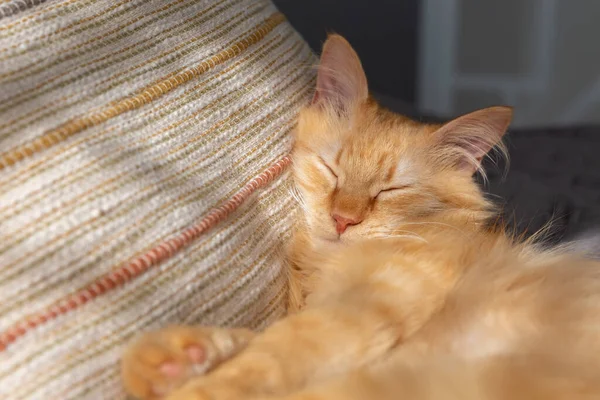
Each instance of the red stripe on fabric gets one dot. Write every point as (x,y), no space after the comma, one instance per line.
(142,263)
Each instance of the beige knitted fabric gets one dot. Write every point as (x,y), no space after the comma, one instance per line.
(143,178)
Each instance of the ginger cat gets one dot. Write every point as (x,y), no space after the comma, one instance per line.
(402,287)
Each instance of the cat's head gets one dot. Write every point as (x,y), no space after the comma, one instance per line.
(364,171)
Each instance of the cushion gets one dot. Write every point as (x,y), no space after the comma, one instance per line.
(143,179)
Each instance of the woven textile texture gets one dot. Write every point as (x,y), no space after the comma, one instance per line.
(143,180)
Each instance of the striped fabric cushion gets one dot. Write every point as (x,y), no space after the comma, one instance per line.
(143,154)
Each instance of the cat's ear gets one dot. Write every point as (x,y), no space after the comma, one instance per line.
(341,81)
(467,139)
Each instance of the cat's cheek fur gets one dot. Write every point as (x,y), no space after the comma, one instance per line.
(318,221)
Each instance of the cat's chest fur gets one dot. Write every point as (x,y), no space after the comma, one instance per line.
(488,312)
(433,293)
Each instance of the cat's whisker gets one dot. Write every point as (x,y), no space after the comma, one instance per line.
(395,233)
(297,196)
(390,236)
(494,195)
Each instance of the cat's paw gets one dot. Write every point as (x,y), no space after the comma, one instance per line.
(161,361)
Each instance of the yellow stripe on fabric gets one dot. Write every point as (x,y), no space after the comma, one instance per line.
(112,82)
(33,17)
(257,125)
(204,39)
(72,127)
(19,177)
(121,28)
(125,54)
(154,115)
(108,38)
(66,28)
(149,116)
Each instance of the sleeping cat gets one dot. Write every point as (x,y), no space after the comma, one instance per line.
(401,284)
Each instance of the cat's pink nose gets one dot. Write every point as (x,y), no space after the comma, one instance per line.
(341,223)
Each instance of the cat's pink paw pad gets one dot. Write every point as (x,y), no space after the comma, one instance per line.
(171,369)
(196,354)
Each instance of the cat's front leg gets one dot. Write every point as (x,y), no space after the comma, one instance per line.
(356,385)
(163,360)
(306,347)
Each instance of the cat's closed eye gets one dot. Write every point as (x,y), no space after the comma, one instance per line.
(328,167)
(392,189)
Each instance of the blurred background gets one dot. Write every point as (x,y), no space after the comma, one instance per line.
(447,57)
(435,59)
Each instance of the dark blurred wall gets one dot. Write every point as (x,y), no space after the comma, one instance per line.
(383,32)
